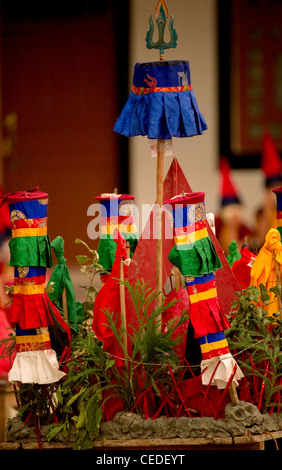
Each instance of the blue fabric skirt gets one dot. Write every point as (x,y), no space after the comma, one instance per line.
(162,103)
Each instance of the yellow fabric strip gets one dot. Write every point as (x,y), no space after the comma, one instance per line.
(209,294)
(33,339)
(207,347)
(29,290)
(123,228)
(191,237)
(29,232)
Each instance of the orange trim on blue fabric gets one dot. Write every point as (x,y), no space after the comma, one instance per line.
(145,91)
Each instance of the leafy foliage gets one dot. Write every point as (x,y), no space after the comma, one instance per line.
(74,407)
(80,395)
(255,341)
(152,349)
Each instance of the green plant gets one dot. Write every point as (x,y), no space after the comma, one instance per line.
(80,395)
(152,349)
(74,406)
(255,340)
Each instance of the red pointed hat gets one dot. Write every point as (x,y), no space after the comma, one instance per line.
(228,190)
(5,222)
(271,164)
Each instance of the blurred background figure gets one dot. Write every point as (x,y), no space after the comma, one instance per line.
(6,272)
(229,223)
(265,217)
(6,276)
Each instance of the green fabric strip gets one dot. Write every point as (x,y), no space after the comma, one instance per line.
(30,251)
(200,259)
(61,278)
(107,250)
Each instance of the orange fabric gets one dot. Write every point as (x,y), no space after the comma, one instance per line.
(263,269)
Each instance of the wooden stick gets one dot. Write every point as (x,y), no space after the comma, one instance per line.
(122,306)
(177,279)
(233,393)
(160,198)
(65,305)
(128,248)
(159,232)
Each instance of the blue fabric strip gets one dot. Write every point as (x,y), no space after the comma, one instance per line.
(165,73)
(110,207)
(212,337)
(161,116)
(183,216)
(180,217)
(279,202)
(25,332)
(31,209)
(201,279)
(29,271)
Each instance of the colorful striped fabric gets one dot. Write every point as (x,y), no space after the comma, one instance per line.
(30,244)
(205,311)
(116,213)
(32,339)
(145,91)
(201,288)
(35,209)
(125,224)
(213,345)
(31,311)
(278,194)
(193,252)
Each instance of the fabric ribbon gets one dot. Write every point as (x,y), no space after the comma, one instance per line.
(62,281)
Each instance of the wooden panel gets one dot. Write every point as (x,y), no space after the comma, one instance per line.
(60,77)
(256,72)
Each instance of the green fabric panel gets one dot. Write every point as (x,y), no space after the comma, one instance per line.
(61,277)
(200,258)
(31,251)
(107,250)
(234,253)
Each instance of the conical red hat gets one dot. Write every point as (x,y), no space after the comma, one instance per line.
(271,161)
(227,188)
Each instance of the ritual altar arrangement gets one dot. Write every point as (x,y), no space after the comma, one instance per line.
(173,348)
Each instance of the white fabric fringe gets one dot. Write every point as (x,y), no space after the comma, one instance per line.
(224,366)
(39,367)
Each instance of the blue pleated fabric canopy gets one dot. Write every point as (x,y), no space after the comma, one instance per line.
(162,103)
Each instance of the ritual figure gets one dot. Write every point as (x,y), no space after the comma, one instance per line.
(267,267)
(195,256)
(117,213)
(271,167)
(32,312)
(229,224)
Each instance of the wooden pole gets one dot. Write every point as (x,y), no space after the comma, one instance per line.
(159,225)
(177,279)
(122,306)
(233,393)
(160,199)
(128,248)
(65,304)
